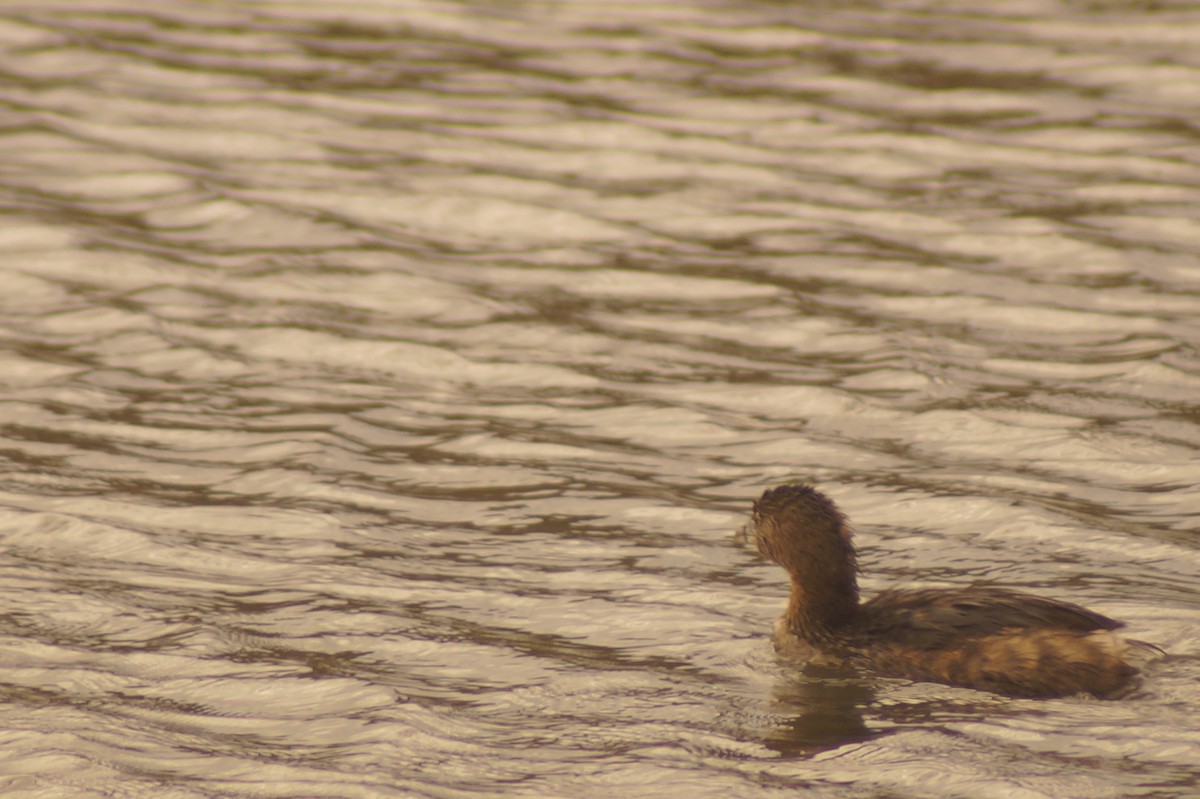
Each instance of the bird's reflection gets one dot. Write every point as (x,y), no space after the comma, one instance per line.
(822,708)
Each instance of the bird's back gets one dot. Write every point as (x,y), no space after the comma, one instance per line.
(995,640)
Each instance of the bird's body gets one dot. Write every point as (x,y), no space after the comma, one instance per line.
(987,638)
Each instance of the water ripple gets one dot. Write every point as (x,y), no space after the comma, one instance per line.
(381,385)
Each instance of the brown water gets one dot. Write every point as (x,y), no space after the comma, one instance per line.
(382,382)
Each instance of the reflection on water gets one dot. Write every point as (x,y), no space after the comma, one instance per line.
(819,709)
(382,382)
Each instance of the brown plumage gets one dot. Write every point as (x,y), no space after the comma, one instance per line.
(986,638)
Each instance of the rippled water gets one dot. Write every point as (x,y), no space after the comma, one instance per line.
(382,382)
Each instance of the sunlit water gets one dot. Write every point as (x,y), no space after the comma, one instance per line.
(383,381)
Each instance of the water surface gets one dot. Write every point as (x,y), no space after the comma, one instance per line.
(382,383)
